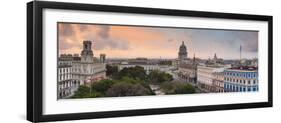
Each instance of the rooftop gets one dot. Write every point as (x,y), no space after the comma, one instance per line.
(244,68)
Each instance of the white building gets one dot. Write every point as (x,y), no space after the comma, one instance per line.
(218,82)
(74,70)
(66,85)
(205,75)
(188,71)
(88,69)
(147,67)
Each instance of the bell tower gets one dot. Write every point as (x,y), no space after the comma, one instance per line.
(87,54)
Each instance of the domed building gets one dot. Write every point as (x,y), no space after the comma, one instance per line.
(182,55)
(186,68)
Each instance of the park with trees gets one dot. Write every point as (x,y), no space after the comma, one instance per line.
(133,81)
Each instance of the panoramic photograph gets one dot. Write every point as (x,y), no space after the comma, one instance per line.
(102,60)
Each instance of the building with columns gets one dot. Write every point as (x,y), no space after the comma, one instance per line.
(241,79)
(218,82)
(186,68)
(76,70)
(210,77)
(88,69)
(188,71)
(205,76)
(148,65)
(66,85)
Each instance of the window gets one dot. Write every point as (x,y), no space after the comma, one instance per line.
(254,81)
(254,89)
(249,82)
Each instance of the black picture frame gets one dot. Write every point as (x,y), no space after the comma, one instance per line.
(35,69)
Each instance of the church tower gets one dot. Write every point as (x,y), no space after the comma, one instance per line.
(87,54)
(182,52)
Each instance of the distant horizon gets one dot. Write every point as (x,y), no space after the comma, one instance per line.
(165,58)
(117,41)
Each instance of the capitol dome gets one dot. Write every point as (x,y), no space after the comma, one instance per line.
(182,52)
(182,47)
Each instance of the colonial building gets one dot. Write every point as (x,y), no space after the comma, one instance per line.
(209,75)
(66,85)
(241,79)
(88,69)
(215,61)
(148,65)
(218,82)
(74,70)
(186,68)
(188,71)
(182,55)
(205,76)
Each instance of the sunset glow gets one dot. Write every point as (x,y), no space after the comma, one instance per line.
(154,42)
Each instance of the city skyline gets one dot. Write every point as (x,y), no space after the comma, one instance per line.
(156,42)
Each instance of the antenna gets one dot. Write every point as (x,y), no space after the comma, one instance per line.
(240,51)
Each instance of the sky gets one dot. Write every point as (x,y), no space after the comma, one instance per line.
(118,41)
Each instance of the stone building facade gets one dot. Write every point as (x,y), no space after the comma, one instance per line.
(218,82)
(148,65)
(205,76)
(241,79)
(182,55)
(88,69)
(75,70)
(66,85)
(188,71)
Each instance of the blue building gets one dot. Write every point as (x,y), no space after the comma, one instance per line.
(241,79)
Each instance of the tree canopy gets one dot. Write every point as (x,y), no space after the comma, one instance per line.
(132,81)
(125,86)
(177,88)
(136,72)
(111,70)
(157,76)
